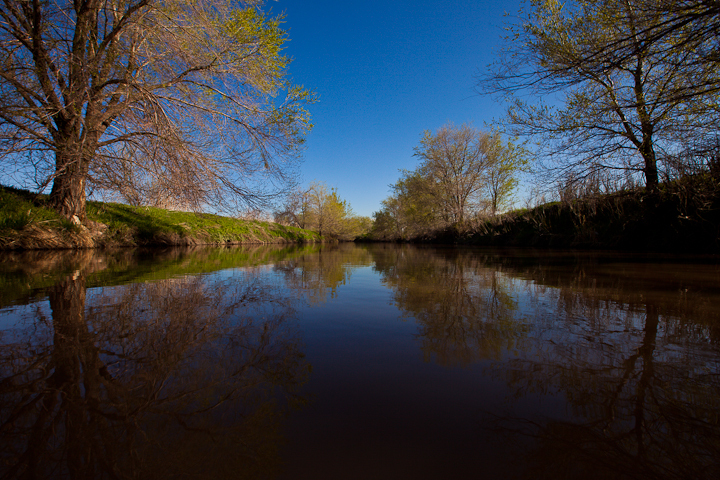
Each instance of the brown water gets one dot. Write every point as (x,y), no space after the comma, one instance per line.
(359,362)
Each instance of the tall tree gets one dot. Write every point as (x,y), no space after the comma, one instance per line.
(622,88)
(186,96)
(464,172)
(455,160)
(411,210)
(327,210)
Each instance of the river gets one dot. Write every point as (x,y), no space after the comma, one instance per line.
(358,361)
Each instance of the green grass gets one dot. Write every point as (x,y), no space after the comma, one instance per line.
(169,264)
(150,225)
(25,275)
(19,208)
(128,225)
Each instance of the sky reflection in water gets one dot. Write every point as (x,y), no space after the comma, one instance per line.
(356,362)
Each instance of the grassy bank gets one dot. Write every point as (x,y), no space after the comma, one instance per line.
(27,223)
(683,216)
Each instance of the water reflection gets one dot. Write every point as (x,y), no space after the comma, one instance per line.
(638,373)
(181,377)
(184,363)
(317,274)
(465,310)
(633,349)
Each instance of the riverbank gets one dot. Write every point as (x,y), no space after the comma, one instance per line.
(682,217)
(26,223)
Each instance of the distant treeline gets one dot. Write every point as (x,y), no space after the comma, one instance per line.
(683,216)
(464,174)
(320,209)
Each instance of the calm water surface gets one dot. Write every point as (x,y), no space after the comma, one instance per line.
(357,362)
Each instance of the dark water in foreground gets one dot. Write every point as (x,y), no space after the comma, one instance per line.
(357,362)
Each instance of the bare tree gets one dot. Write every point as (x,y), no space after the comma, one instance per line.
(295,209)
(188,97)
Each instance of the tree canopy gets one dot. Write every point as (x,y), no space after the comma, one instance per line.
(619,86)
(464,172)
(186,99)
(454,161)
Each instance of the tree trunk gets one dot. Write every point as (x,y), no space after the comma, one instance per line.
(67,303)
(651,172)
(68,190)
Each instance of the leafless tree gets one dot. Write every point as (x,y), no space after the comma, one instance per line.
(184,98)
(295,209)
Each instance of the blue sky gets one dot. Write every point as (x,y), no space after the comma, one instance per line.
(384,72)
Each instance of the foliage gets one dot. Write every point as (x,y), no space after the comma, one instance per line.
(319,208)
(454,161)
(506,161)
(464,173)
(155,100)
(631,94)
(410,212)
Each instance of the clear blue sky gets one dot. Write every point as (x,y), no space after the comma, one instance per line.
(384,72)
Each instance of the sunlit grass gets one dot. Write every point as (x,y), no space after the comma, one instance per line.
(147,223)
(140,225)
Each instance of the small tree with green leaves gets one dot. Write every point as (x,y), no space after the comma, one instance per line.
(507,160)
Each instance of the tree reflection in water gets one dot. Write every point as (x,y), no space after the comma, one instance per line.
(465,311)
(317,275)
(638,374)
(183,377)
(190,375)
(635,355)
